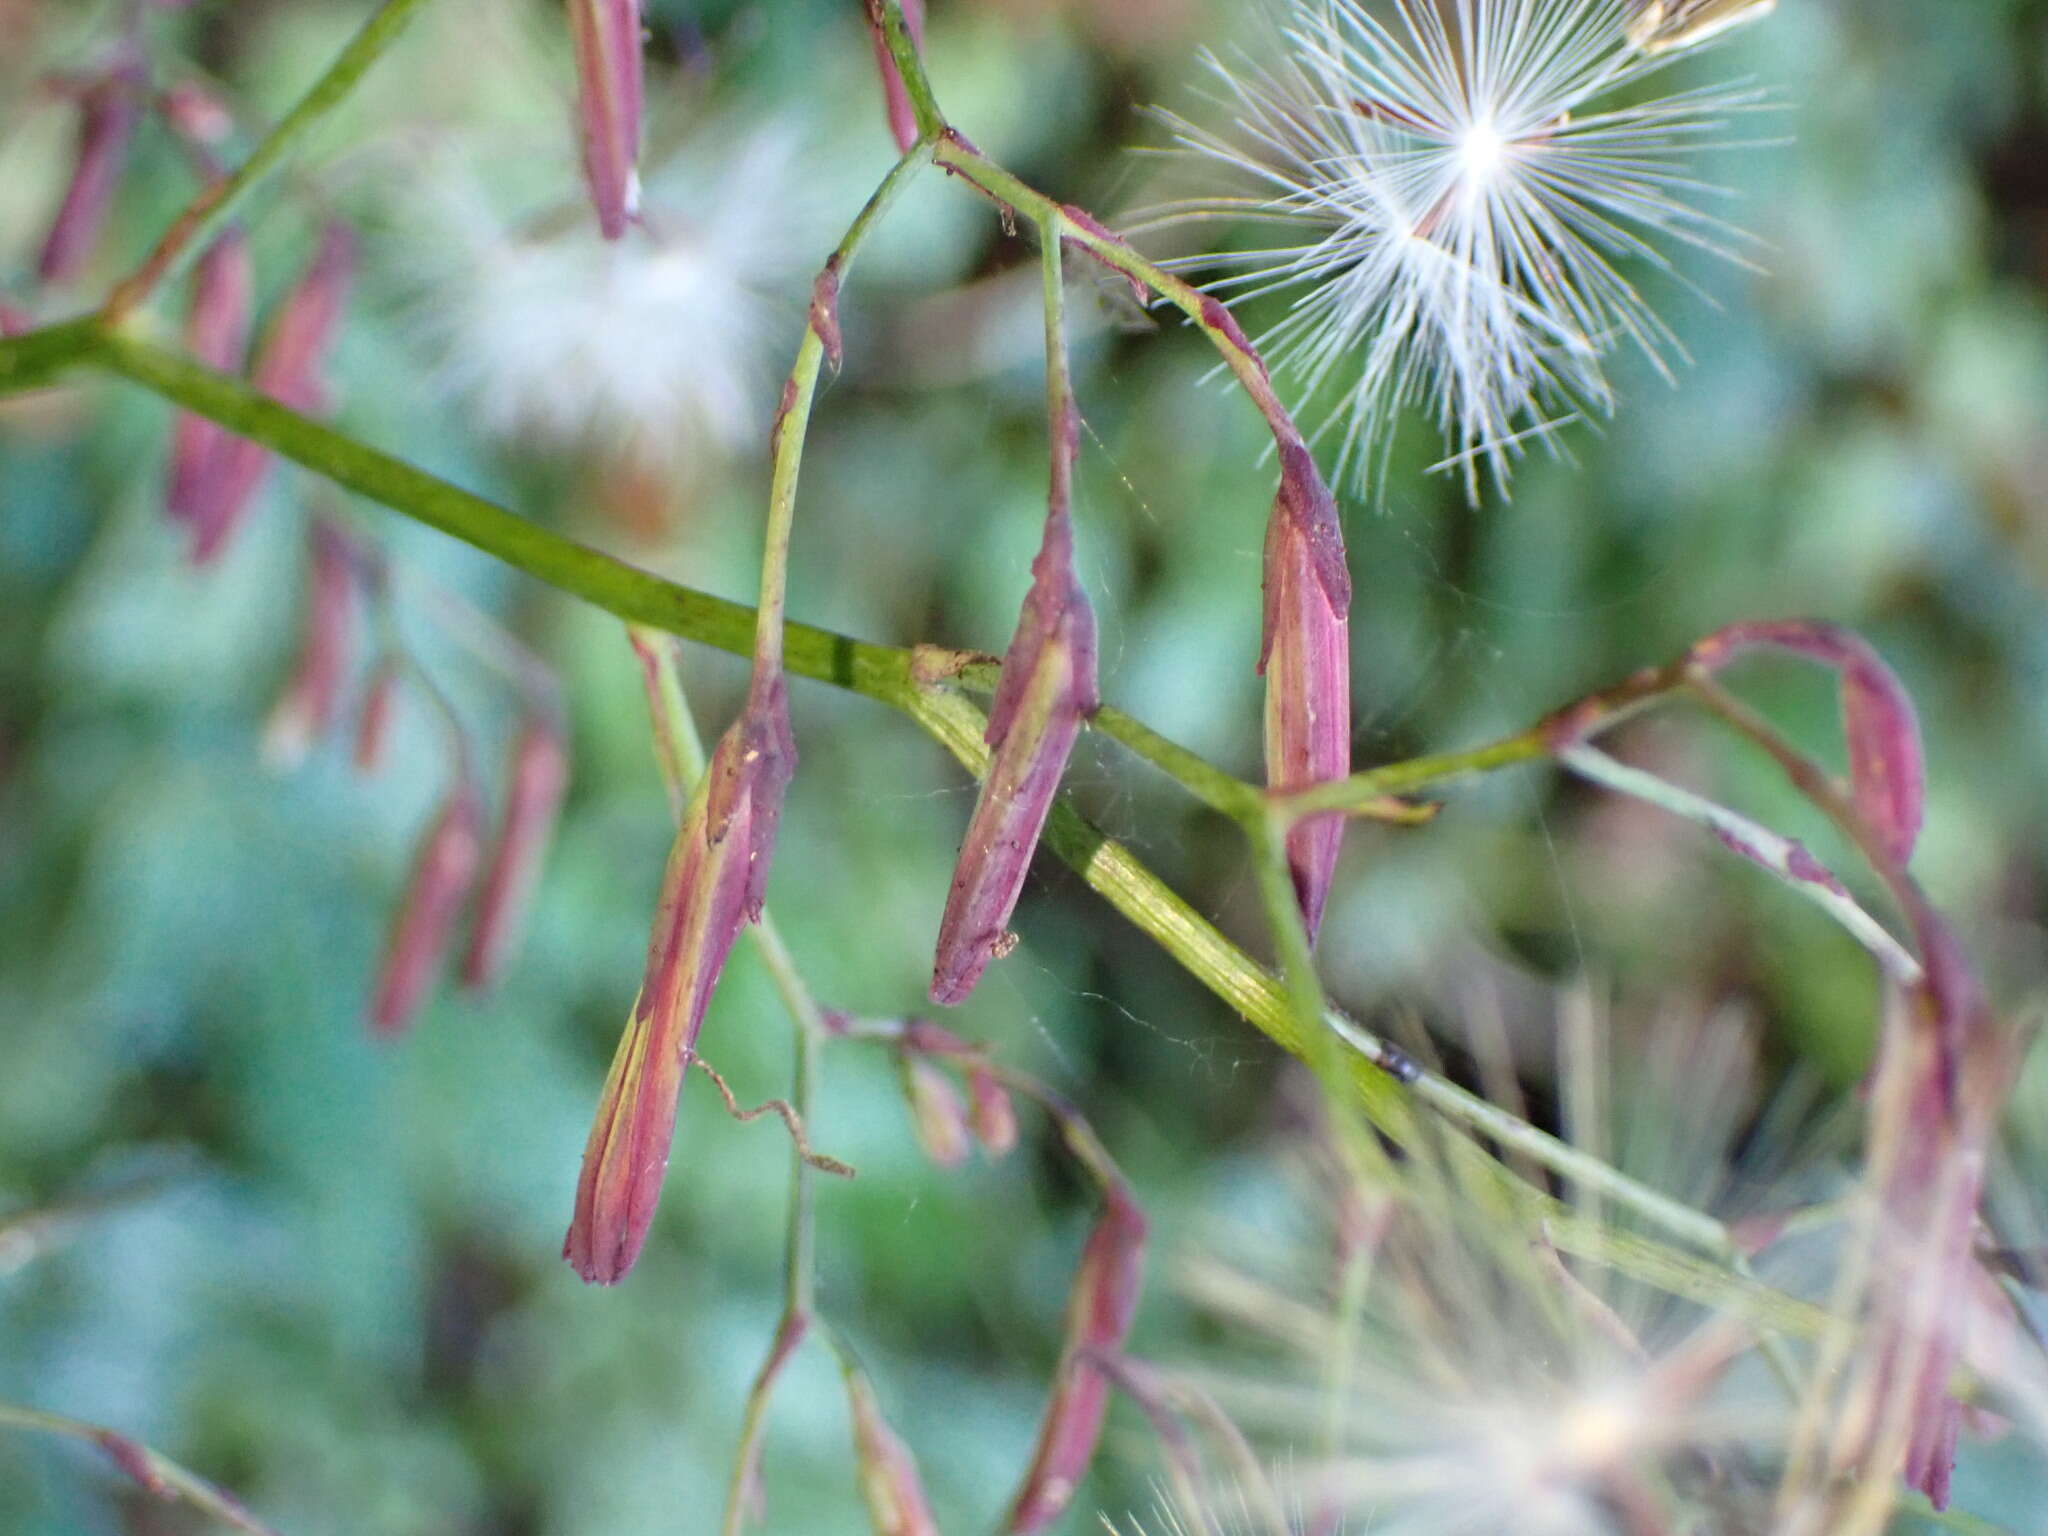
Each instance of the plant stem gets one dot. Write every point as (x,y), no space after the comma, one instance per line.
(1361,790)
(218,200)
(793,420)
(625,590)
(152,1469)
(38,358)
(917,85)
(1761,845)
(680,750)
(885,673)
(1233,797)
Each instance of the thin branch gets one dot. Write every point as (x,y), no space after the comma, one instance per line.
(154,1471)
(1799,870)
(218,200)
(793,419)
(887,674)
(887,17)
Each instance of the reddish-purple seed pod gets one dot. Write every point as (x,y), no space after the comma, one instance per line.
(110,108)
(287,368)
(902,116)
(1045,694)
(990,1112)
(311,700)
(442,874)
(533,804)
(1306,660)
(373,721)
(889,1482)
(712,888)
(216,334)
(136,1461)
(608,105)
(936,1112)
(1099,1314)
(196,115)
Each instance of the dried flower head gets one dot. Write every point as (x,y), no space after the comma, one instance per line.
(889,1482)
(1418,1360)
(1887,763)
(990,1112)
(936,1112)
(373,719)
(1456,192)
(1100,1309)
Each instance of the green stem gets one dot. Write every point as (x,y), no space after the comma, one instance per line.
(217,202)
(154,1470)
(38,358)
(793,421)
(879,672)
(1361,790)
(1578,721)
(1762,846)
(638,596)
(917,85)
(1241,802)
(955,154)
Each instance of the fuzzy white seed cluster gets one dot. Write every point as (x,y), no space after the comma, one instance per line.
(661,344)
(1459,192)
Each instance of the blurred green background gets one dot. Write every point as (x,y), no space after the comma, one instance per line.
(329,1276)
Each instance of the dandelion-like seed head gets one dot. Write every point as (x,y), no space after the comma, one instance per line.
(1459,193)
(661,343)
(1424,1365)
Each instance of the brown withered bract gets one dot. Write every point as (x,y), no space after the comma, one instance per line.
(1661,26)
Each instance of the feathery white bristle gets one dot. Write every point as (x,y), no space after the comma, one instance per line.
(1466,192)
(663,343)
